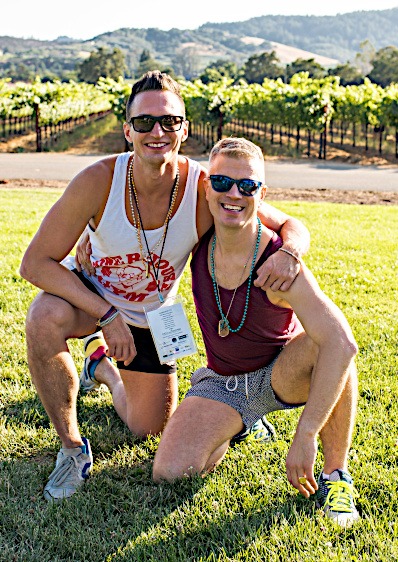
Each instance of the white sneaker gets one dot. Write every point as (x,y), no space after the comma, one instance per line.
(71,471)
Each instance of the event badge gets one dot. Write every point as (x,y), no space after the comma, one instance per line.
(170,329)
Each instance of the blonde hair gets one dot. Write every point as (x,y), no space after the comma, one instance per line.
(236,147)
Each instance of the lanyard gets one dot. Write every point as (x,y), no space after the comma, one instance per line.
(155,270)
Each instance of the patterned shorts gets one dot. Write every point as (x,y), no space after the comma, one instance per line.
(250,394)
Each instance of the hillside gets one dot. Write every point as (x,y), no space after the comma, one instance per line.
(337,38)
(332,36)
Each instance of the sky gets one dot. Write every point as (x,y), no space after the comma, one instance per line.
(84,19)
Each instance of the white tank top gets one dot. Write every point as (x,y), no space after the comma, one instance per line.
(120,272)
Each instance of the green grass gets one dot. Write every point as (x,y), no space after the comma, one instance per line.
(244,511)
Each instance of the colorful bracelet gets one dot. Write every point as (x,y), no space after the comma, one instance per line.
(107,317)
(298,260)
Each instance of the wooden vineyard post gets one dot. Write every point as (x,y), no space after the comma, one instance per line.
(38,128)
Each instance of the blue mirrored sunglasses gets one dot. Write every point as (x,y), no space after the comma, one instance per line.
(222,184)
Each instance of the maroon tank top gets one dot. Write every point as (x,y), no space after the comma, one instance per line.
(267,327)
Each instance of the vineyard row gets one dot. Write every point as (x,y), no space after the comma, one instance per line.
(312,106)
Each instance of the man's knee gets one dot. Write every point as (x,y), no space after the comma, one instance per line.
(142,430)
(305,346)
(167,468)
(161,473)
(47,311)
(47,316)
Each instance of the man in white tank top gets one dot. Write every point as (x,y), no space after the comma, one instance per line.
(133,199)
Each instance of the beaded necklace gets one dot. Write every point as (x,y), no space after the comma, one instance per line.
(148,259)
(224,327)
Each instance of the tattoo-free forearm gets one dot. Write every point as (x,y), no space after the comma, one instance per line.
(295,236)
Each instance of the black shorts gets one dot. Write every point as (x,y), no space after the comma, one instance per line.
(146,360)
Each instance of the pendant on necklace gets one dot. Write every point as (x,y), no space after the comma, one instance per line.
(223,329)
(146,264)
(161,298)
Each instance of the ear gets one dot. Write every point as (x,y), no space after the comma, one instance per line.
(263,192)
(185,128)
(126,131)
(207,186)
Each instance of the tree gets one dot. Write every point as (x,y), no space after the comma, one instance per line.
(109,64)
(218,70)
(187,62)
(385,66)
(23,72)
(264,65)
(314,69)
(349,75)
(363,59)
(147,62)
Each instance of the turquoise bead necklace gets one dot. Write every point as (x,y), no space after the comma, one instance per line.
(224,327)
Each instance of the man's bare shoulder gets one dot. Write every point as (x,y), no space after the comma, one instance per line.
(185,160)
(99,174)
(89,189)
(204,219)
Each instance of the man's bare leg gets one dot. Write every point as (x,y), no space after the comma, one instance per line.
(334,489)
(336,435)
(108,374)
(195,439)
(144,401)
(151,399)
(50,322)
(291,381)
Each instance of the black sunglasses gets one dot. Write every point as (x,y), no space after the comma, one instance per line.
(145,123)
(221,184)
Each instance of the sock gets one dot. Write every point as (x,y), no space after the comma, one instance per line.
(95,351)
(335,475)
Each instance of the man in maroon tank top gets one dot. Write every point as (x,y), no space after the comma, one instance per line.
(266,350)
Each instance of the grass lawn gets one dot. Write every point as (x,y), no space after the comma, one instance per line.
(246,510)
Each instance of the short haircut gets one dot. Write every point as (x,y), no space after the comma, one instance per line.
(153,80)
(236,147)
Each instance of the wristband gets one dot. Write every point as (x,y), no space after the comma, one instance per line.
(298,260)
(107,317)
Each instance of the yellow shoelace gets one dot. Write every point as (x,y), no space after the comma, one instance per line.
(339,496)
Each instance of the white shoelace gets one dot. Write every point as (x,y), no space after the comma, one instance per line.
(63,471)
(235,378)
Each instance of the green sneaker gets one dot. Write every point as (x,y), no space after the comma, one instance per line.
(262,430)
(71,471)
(335,496)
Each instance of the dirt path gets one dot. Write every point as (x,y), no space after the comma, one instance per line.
(275,194)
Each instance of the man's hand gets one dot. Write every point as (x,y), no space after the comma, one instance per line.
(83,253)
(119,340)
(300,465)
(278,272)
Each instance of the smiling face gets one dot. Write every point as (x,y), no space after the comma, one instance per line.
(157,146)
(232,209)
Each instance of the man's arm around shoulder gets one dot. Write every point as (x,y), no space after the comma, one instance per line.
(280,270)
